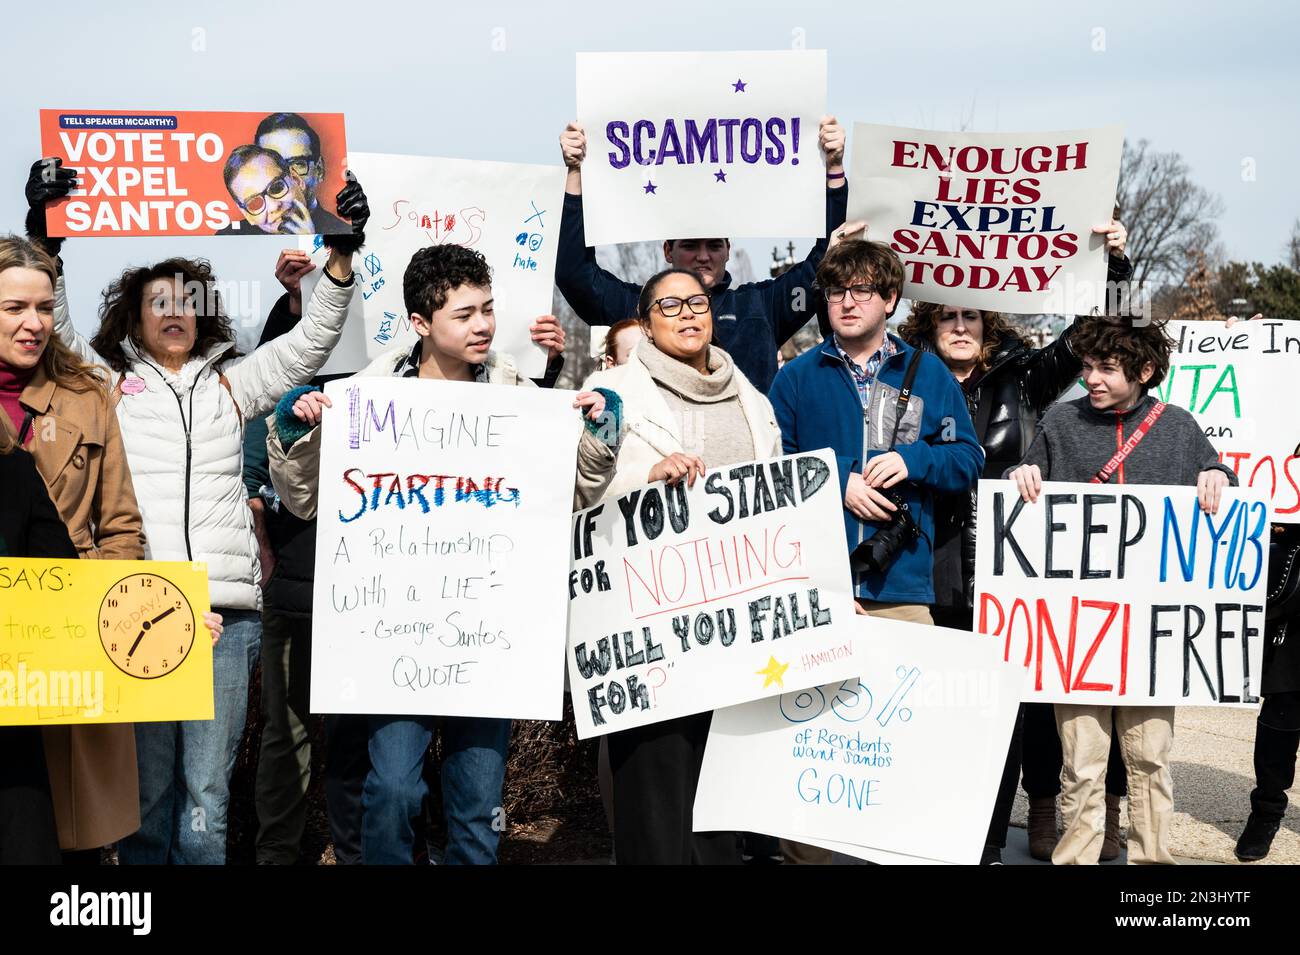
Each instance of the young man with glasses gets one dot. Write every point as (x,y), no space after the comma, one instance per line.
(897,422)
(751,321)
(847,395)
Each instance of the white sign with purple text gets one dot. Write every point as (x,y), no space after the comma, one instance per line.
(702,145)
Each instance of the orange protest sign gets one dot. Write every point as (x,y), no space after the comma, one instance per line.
(196,173)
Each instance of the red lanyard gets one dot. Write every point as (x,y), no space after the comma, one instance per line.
(1102,476)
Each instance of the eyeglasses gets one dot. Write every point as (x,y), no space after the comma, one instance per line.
(301,165)
(256,205)
(672,307)
(861,293)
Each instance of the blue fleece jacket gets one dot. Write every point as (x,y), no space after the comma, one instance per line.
(750,321)
(817,406)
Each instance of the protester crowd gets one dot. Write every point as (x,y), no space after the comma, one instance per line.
(156,439)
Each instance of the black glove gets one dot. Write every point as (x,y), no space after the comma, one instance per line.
(351,204)
(48,182)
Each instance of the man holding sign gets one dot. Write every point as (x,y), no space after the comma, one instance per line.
(754,320)
(448,296)
(1119,431)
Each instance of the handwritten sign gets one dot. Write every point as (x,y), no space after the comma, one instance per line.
(702,145)
(1237,383)
(510,212)
(1125,595)
(683,600)
(869,763)
(103,641)
(440,549)
(999,221)
(145,172)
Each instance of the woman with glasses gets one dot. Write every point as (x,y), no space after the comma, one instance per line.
(181,400)
(686,409)
(1008,385)
(270,197)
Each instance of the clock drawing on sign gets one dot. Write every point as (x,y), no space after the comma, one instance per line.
(146,626)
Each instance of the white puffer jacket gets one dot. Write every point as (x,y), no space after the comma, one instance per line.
(184,438)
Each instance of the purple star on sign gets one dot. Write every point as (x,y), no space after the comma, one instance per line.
(739,86)
(650,187)
(720,176)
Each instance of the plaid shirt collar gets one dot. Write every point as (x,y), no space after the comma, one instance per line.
(864,375)
(410,367)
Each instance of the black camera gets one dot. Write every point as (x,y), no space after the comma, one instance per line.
(875,554)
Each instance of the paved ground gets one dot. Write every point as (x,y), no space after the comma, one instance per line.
(1213,776)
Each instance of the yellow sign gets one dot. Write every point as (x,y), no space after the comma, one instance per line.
(103,641)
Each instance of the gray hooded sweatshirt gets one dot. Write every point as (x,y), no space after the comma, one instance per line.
(1075,441)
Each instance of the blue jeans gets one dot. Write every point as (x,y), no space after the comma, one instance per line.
(185,766)
(473,770)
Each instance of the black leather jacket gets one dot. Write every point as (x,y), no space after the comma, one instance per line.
(1005,403)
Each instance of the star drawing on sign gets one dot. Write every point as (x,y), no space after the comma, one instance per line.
(650,187)
(739,86)
(720,176)
(773,673)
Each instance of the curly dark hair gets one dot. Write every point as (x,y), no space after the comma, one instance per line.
(856,260)
(437,269)
(1130,345)
(119,315)
(919,330)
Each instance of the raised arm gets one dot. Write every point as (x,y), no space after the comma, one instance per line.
(792,295)
(597,296)
(257,382)
(293,453)
(66,331)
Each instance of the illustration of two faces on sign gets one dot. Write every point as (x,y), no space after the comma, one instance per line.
(275,182)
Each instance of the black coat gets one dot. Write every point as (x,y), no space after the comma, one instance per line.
(1005,403)
(30,525)
(1282,633)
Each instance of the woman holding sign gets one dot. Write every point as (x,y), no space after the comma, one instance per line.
(181,402)
(687,409)
(57,407)
(1008,386)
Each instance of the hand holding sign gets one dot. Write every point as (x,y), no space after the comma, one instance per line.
(351,203)
(831,137)
(547,331)
(573,145)
(214,624)
(310,407)
(675,467)
(1029,482)
(1116,236)
(48,182)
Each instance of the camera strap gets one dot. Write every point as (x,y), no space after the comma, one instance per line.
(1102,476)
(25,430)
(904,394)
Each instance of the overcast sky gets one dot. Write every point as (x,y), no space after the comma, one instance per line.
(1217,85)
